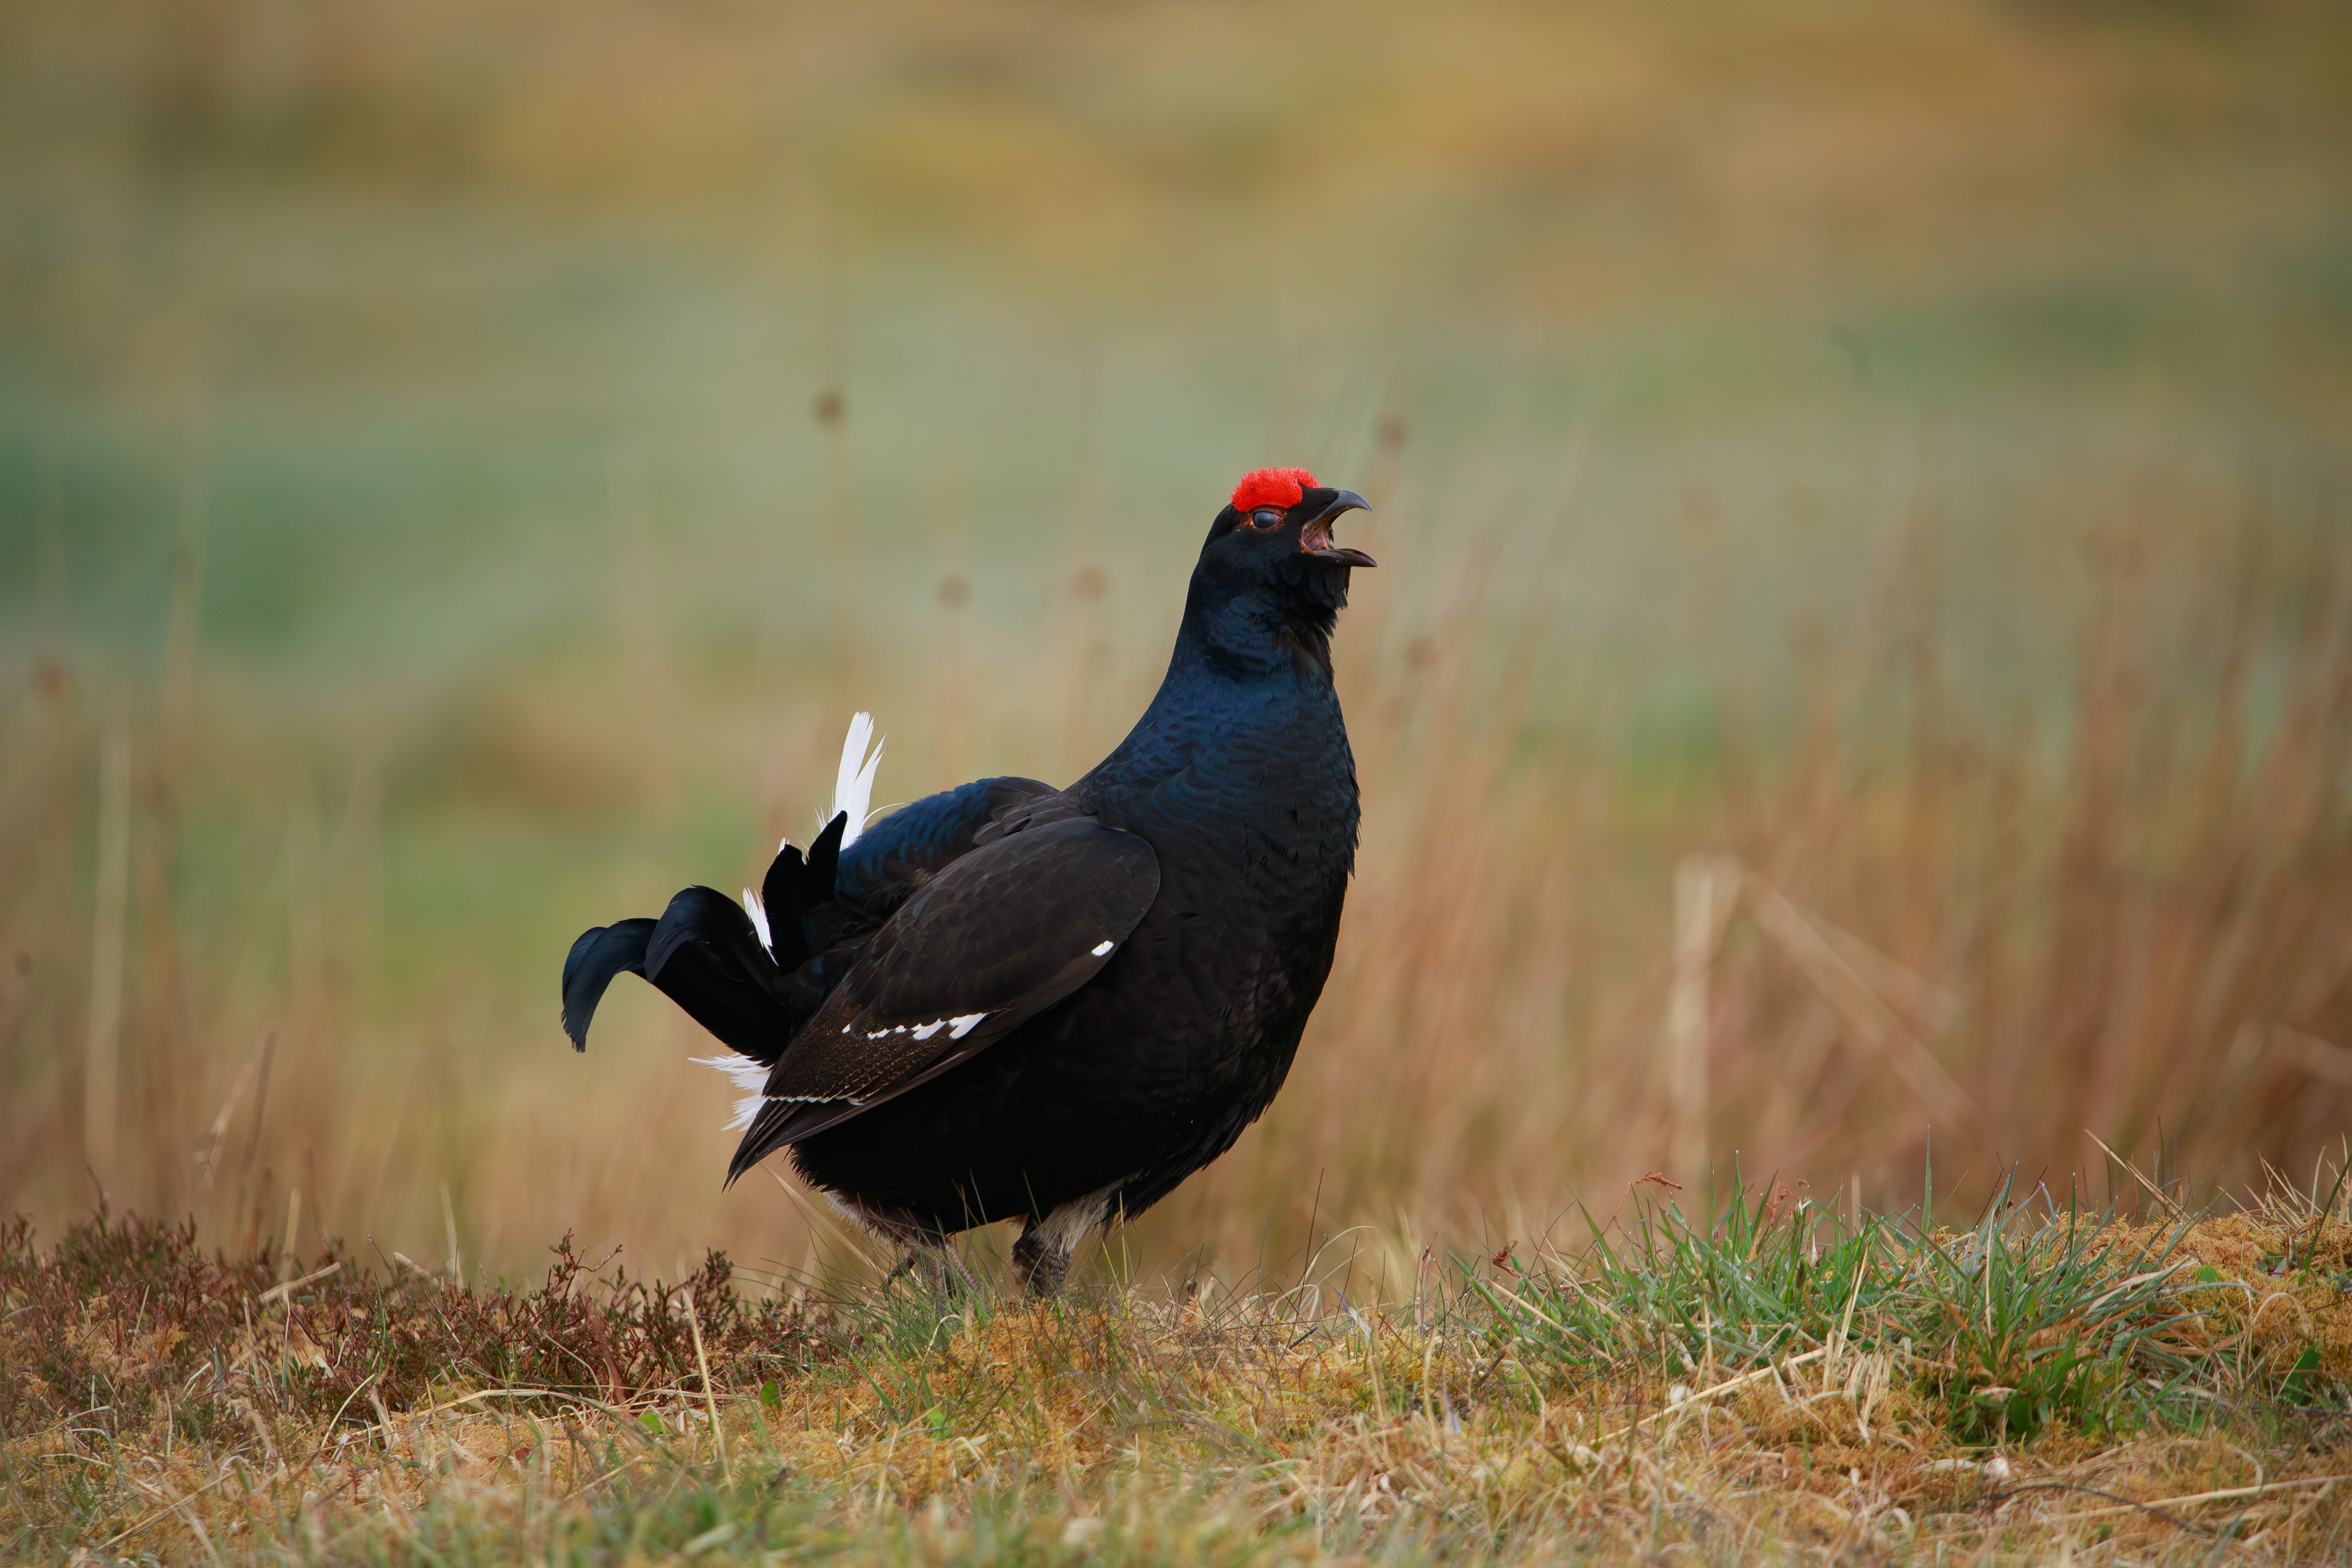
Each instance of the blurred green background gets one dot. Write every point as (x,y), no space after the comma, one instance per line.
(411,443)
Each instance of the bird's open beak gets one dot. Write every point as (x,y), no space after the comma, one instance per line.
(1315,538)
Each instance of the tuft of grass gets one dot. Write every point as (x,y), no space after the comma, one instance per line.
(2023,1321)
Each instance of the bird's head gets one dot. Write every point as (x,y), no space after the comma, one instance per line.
(1270,558)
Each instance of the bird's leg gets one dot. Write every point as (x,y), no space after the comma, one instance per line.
(929,1252)
(1042,1257)
(1040,1264)
(935,1260)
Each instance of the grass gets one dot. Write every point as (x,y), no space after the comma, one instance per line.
(1765,1384)
(1898,450)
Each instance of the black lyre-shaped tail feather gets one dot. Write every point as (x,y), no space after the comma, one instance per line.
(602,953)
(706,957)
(796,889)
(704,954)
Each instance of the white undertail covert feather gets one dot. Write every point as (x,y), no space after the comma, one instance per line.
(750,1076)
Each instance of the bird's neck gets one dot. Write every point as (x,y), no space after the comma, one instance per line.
(1253,635)
(1237,666)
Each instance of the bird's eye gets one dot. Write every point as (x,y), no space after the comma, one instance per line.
(1266,517)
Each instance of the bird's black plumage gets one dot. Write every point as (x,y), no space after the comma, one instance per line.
(1008,1001)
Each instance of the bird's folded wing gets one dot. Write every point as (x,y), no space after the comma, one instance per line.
(1001,934)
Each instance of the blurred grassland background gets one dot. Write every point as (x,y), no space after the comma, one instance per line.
(460,466)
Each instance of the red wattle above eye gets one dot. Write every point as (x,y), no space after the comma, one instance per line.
(1271,487)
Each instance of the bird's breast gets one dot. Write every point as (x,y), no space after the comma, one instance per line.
(1256,833)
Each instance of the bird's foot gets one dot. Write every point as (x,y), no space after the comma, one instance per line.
(1039,1266)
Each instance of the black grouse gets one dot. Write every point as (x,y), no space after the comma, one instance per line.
(1010,1001)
